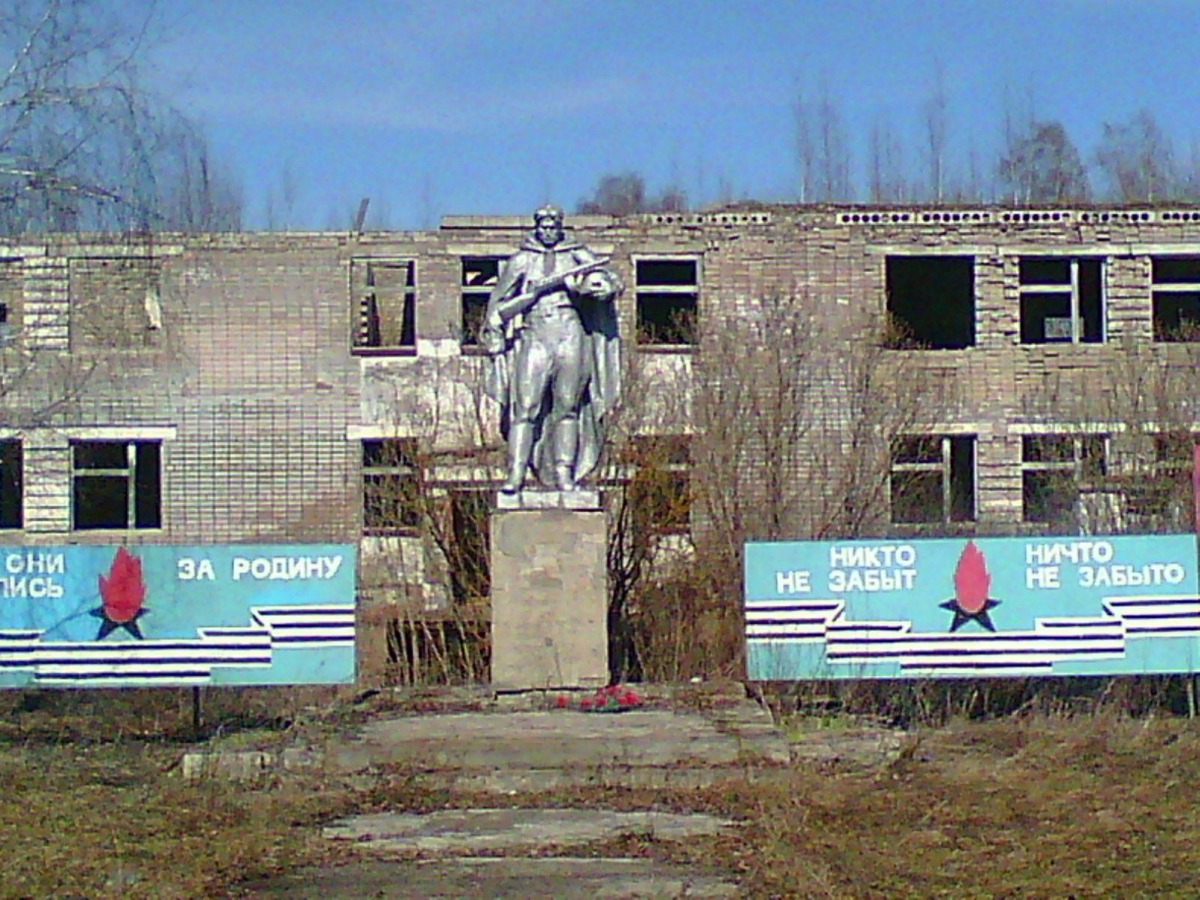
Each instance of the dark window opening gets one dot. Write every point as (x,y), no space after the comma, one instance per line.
(1175,452)
(1175,298)
(668,298)
(386,301)
(1062,300)
(467,546)
(1176,317)
(116,484)
(11,484)
(474,308)
(933,479)
(391,486)
(660,493)
(1053,468)
(1175,269)
(666,319)
(1049,497)
(479,277)
(926,449)
(666,272)
(931,301)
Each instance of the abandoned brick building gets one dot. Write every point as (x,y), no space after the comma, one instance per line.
(931,369)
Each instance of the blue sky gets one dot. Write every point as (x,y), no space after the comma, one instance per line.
(434,108)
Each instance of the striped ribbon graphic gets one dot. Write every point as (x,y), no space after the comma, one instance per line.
(1052,639)
(178,661)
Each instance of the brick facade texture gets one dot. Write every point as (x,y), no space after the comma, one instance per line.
(240,346)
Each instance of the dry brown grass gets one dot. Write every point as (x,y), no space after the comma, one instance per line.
(1033,806)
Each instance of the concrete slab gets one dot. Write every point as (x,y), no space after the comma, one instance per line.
(470,831)
(565,739)
(506,878)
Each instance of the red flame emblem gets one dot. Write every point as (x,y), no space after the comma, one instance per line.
(972,589)
(971,580)
(122,596)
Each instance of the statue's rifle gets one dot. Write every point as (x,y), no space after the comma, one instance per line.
(534,288)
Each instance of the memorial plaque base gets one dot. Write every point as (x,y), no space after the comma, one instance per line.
(549,591)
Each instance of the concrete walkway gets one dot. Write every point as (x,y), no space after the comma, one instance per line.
(543,750)
(519,852)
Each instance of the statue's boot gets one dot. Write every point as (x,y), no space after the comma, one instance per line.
(520,445)
(566,446)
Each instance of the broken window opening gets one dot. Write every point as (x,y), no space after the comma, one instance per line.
(115,302)
(116,484)
(933,479)
(1174,452)
(1054,467)
(479,277)
(659,492)
(668,301)
(1175,298)
(1161,497)
(12,292)
(467,543)
(12,473)
(1062,300)
(384,295)
(391,487)
(931,301)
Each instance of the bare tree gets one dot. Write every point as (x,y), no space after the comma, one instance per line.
(1042,165)
(806,148)
(936,121)
(625,194)
(82,144)
(794,418)
(886,160)
(1138,160)
(197,192)
(1125,457)
(282,199)
(822,149)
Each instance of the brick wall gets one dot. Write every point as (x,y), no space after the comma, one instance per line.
(238,350)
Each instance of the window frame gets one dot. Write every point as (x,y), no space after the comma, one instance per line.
(475,296)
(691,339)
(12,478)
(365,306)
(898,301)
(404,470)
(1076,465)
(1071,289)
(944,466)
(132,472)
(1161,334)
(669,456)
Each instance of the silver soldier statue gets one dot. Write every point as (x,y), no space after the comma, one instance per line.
(551,331)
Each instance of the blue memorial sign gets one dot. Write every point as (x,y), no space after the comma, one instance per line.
(138,616)
(959,607)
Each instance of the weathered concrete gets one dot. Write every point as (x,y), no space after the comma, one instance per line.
(539,750)
(505,878)
(485,830)
(246,765)
(549,595)
(724,736)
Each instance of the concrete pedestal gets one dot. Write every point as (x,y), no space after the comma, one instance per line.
(549,591)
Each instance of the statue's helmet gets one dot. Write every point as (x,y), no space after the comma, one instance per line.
(548,212)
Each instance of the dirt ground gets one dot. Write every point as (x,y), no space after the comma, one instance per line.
(93,805)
